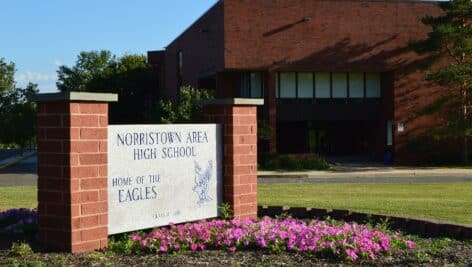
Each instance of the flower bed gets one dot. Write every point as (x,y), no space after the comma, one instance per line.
(346,241)
(351,241)
(18,222)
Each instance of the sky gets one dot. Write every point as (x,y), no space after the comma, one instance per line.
(38,36)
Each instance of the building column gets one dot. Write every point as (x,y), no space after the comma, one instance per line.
(239,120)
(72,170)
(270,108)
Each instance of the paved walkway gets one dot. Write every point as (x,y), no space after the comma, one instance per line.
(370,174)
(23,173)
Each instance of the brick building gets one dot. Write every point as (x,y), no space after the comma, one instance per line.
(337,76)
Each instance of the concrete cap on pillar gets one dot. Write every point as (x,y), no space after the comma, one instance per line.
(232,101)
(76,96)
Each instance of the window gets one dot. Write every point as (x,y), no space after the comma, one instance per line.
(256,85)
(356,85)
(305,85)
(287,85)
(245,87)
(323,85)
(339,85)
(372,85)
(251,85)
(332,85)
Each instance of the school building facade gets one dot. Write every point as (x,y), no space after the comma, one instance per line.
(337,76)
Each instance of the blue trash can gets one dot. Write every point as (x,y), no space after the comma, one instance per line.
(388,158)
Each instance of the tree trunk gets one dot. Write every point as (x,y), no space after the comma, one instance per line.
(465,150)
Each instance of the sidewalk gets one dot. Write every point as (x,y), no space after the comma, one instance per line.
(371,174)
(366,171)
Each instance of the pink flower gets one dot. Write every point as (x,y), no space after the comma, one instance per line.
(410,244)
(135,237)
(144,242)
(352,254)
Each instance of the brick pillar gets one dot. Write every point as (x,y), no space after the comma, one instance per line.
(72,171)
(239,120)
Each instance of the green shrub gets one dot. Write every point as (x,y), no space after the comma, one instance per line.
(121,244)
(185,109)
(315,163)
(226,211)
(291,162)
(20,250)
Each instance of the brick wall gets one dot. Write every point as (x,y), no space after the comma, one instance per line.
(336,34)
(72,175)
(341,35)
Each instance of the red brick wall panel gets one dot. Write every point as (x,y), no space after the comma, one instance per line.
(338,35)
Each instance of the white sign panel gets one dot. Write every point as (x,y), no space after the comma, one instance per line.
(159,174)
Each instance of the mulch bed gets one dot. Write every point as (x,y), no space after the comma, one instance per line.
(457,253)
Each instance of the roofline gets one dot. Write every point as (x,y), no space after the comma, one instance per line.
(385,1)
(191,25)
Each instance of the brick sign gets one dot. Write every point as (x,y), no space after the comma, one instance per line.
(159,174)
(95,180)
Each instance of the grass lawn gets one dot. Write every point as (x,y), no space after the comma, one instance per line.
(18,197)
(441,201)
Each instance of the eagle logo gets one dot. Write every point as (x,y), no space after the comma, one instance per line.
(202,182)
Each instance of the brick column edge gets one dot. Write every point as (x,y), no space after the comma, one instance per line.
(238,117)
(72,170)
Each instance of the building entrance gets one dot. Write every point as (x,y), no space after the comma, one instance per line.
(330,138)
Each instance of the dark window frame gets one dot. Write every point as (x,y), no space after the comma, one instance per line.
(246,77)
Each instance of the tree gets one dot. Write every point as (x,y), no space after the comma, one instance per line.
(7,72)
(450,40)
(185,110)
(129,76)
(88,66)
(18,115)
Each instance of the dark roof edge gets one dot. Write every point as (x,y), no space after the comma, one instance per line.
(408,1)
